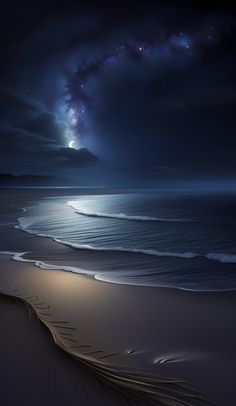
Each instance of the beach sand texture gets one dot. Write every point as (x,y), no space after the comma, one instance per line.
(167,333)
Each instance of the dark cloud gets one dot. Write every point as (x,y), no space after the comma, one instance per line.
(48,125)
(31,139)
(15,107)
(151,87)
(9,97)
(30,152)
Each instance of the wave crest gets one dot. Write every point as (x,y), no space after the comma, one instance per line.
(24,225)
(224,258)
(131,250)
(121,216)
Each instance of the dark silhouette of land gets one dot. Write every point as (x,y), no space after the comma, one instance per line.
(8,180)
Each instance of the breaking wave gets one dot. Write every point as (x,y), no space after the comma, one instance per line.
(121,216)
(131,250)
(224,258)
(19,257)
(25,223)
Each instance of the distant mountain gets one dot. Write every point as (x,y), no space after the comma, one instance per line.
(8,180)
(88,155)
(76,158)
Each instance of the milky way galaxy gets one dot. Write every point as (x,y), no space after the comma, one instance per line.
(149,90)
(176,46)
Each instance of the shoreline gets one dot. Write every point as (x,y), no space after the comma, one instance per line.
(56,242)
(176,340)
(165,331)
(19,257)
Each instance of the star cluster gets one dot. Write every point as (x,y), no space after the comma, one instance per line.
(150,86)
(176,45)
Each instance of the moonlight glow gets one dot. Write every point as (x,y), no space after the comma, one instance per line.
(71,143)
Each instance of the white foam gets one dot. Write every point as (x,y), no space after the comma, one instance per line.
(100,276)
(131,250)
(19,257)
(121,216)
(25,223)
(224,258)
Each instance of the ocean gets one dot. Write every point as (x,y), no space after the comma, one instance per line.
(150,238)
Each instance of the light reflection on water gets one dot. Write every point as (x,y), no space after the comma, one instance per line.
(170,248)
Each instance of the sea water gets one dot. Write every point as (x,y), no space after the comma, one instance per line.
(151,238)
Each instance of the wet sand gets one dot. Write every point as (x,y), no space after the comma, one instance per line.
(172,333)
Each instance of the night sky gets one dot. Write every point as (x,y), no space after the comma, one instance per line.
(115,93)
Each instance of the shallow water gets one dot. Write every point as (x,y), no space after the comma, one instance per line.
(148,238)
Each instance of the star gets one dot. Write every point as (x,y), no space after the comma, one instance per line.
(134,50)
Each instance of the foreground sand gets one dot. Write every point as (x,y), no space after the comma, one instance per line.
(169,332)
(44,365)
(35,372)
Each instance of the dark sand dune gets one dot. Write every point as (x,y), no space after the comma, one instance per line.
(35,371)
